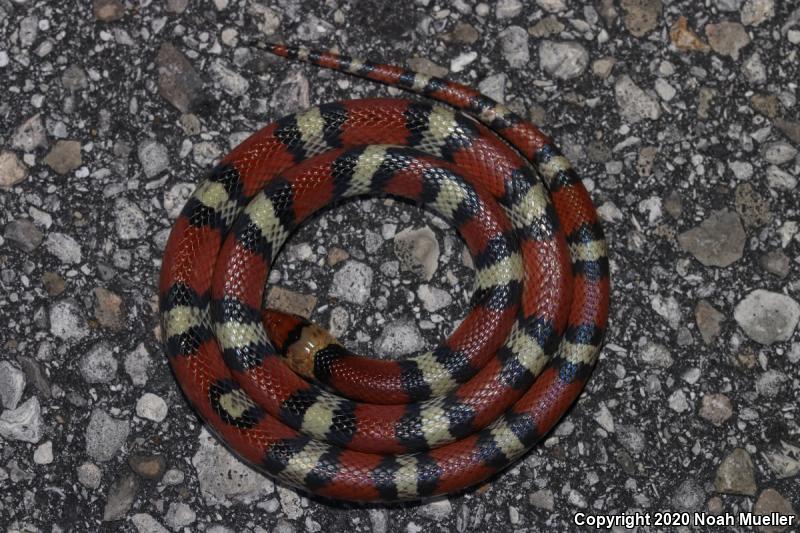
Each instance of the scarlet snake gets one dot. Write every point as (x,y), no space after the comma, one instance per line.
(293,403)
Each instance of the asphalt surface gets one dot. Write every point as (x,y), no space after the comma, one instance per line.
(681,117)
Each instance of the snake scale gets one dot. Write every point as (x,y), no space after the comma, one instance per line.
(289,399)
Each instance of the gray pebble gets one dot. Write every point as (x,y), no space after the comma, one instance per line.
(778,153)
(67,321)
(145,523)
(105,435)
(121,495)
(736,474)
(23,234)
(12,384)
(64,247)
(635,104)
(24,423)
(153,156)
(90,475)
(767,317)
(717,241)
(418,251)
(401,337)
(514,44)
(99,365)
(129,220)
(770,383)
(179,515)
(565,60)
(353,282)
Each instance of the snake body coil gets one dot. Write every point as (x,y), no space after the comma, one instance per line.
(291,401)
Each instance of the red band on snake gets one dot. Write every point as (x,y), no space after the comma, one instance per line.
(293,402)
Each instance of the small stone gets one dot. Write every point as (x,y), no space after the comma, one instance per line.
(105,435)
(641,16)
(23,234)
(727,38)
(767,317)
(437,510)
(99,365)
(778,153)
(514,45)
(74,78)
(754,69)
(179,515)
(151,407)
(542,499)
(12,384)
(634,103)
(553,6)
(121,495)
(426,66)
(766,104)
(43,455)
(546,27)
(177,6)
(462,33)
(673,204)
(736,475)
(655,354)
(223,478)
(137,364)
(12,170)
(148,466)
(709,321)
(789,128)
(30,135)
(66,320)
(666,91)
(506,9)
(145,523)
(153,157)
(563,60)
(684,39)
(432,298)
(716,408)
(401,337)
(379,519)
(64,247)
(24,423)
(717,241)
(206,153)
(291,301)
(53,283)
(769,502)
(770,383)
(728,5)
(418,251)
(229,80)
(178,82)
(108,10)
(603,66)
(752,206)
(705,98)
(64,157)
(337,255)
(754,12)
(494,87)
(776,262)
(89,475)
(460,62)
(108,309)
(352,282)
(689,496)
(644,163)
(292,94)
(678,402)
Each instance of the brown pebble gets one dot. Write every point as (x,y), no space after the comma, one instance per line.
(337,255)
(108,10)
(148,466)
(53,283)
(291,302)
(108,309)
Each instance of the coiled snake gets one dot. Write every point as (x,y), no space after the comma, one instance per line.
(288,398)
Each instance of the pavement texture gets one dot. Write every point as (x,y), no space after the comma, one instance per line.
(682,118)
